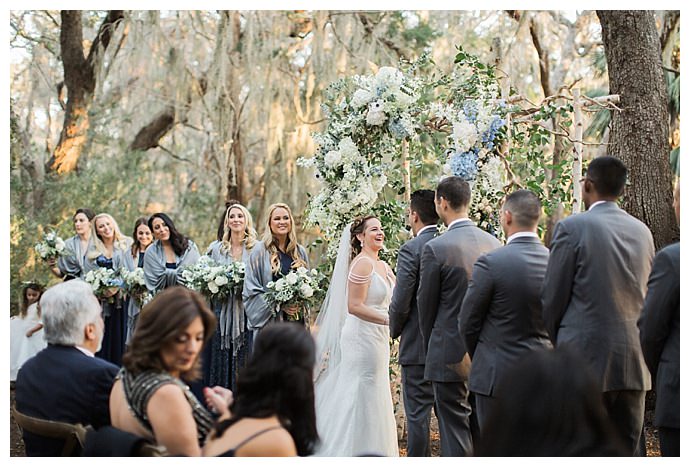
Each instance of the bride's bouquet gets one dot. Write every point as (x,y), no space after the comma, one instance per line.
(301,287)
(212,279)
(50,247)
(105,283)
(134,285)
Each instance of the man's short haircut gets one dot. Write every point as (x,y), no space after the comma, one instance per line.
(525,207)
(608,174)
(456,191)
(422,202)
(66,309)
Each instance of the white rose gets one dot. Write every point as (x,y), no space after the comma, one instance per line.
(221,280)
(376,117)
(301,270)
(361,97)
(306,291)
(59,244)
(332,159)
(279,285)
(291,278)
(212,287)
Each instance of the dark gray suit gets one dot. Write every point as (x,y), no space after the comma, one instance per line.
(445,271)
(593,293)
(418,395)
(660,338)
(500,320)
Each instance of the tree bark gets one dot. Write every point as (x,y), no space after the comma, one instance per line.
(80,81)
(150,135)
(639,134)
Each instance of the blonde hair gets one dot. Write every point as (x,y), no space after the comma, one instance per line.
(120,241)
(271,243)
(249,233)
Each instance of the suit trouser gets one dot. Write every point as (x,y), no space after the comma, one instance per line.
(669,441)
(626,410)
(483,407)
(418,398)
(453,413)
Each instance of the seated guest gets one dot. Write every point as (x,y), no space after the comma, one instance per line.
(149,397)
(273,411)
(551,405)
(65,382)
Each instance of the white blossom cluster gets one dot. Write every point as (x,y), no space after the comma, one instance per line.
(212,279)
(51,246)
(134,284)
(298,287)
(103,279)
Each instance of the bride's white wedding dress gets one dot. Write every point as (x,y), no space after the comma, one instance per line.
(354,408)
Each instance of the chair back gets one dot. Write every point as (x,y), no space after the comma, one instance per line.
(73,434)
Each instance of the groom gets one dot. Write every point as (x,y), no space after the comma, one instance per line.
(418,395)
(445,271)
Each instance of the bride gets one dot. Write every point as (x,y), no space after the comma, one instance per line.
(354,408)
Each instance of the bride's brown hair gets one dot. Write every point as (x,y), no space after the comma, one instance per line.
(358,226)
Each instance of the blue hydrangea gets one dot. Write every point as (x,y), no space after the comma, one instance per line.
(470,110)
(397,129)
(489,135)
(464,165)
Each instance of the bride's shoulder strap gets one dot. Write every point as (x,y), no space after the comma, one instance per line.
(358,269)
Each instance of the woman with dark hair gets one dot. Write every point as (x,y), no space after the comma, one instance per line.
(273,410)
(229,348)
(168,255)
(26,335)
(110,249)
(142,240)
(149,397)
(274,257)
(71,265)
(354,406)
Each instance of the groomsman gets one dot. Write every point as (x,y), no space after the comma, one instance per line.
(500,320)
(660,338)
(445,270)
(595,285)
(418,395)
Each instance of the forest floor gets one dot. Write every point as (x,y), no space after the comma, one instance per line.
(17,445)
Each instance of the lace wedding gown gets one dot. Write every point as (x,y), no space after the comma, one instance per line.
(354,408)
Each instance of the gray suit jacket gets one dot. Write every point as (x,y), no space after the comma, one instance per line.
(445,270)
(402,311)
(660,334)
(500,319)
(594,290)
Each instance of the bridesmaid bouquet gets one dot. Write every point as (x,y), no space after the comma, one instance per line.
(50,247)
(212,279)
(103,281)
(301,287)
(134,285)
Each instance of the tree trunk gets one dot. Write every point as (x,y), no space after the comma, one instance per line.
(235,172)
(639,134)
(80,81)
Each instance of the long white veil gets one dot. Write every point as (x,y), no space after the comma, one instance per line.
(329,323)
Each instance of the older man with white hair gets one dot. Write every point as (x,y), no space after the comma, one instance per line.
(65,382)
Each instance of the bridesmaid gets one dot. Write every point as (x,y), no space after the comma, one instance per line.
(142,240)
(71,265)
(274,257)
(228,349)
(110,249)
(168,255)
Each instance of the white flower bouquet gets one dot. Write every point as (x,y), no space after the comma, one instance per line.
(301,287)
(134,284)
(214,280)
(50,247)
(104,282)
